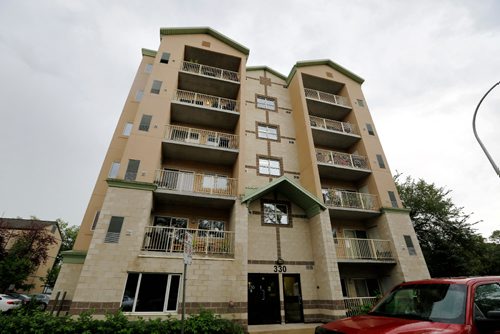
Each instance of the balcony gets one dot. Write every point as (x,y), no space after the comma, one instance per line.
(327,105)
(354,305)
(209,80)
(200,145)
(327,132)
(363,250)
(204,110)
(342,166)
(162,240)
(351,205)
(194,189)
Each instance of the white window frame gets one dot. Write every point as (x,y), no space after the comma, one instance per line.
(127,129)
(167,293)
(212,232)
(138,95)
(266,102)
(269,167)
(148,68)
(114,169)
(274,213)
(267,131)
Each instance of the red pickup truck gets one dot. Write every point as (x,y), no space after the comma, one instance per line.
(437,306)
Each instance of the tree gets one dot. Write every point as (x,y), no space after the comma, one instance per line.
(495,237)
(29,249)
(68,236)
(449,243)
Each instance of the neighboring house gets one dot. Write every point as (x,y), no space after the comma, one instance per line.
(281,180)
(16,227)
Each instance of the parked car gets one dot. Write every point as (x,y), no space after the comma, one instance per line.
(25,299)
(445,306)
(42,299)
(8,303)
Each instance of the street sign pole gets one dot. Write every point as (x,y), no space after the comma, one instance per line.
(188,258)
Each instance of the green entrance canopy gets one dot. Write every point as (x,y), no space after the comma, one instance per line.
(293,191)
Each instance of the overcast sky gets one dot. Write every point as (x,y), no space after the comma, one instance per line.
(66,68)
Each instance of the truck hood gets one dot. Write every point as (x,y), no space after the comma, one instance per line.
(369,324)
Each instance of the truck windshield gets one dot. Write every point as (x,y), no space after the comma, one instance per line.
(430,302)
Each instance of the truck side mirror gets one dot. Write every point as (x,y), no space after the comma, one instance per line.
(493,315)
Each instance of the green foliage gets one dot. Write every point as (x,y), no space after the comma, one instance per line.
(26,320)
(29,250)
(449,243)
(495,237)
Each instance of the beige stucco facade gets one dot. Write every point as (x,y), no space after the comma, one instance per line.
(282,181)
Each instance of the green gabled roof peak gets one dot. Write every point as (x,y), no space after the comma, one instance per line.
(205,30)
(296,193)
(268,69)
(326,62)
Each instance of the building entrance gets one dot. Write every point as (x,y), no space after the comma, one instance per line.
(264,299)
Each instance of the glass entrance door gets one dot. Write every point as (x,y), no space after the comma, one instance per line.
(263,299)
(293,298)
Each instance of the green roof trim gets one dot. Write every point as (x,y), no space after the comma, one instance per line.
(131,184)
(398,210)
(75,257)
(205,30)
(326,62)
(298,195)
(268,69)
(148,52)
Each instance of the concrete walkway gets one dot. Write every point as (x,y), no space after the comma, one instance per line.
(283,329)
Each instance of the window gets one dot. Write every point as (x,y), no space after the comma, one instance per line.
(274,213)
(486,299)
(269,167)
(409,245)
(361,103)
(380,161)
(266,102)
(114,229)
(366,287)
(145,122)
(151,292)
(113,171)
(369,127)
(127,129)
(215,228)
(148,68)
(155,89)
(392,197)
(138,95)
(170,222)
(214,181)
(132,168)
(96,218)
(267,131)
(165,56)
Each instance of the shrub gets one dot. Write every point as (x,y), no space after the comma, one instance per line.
(29,320)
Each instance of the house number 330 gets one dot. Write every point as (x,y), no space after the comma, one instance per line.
(280,269)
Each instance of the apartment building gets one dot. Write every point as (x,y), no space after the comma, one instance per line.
(281,181)
(14,228)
